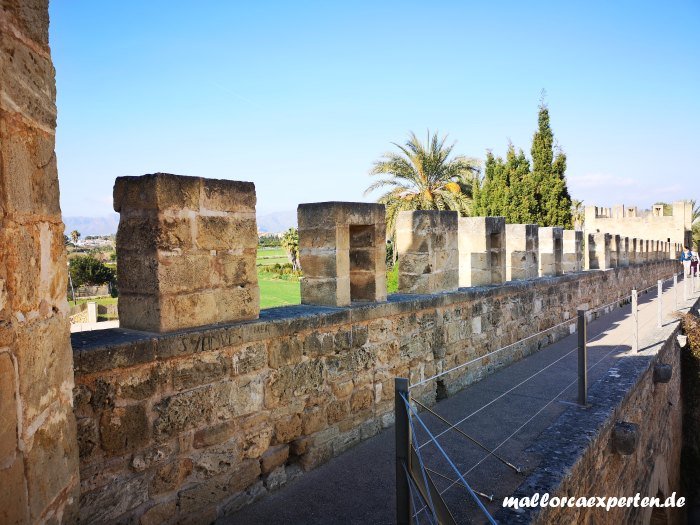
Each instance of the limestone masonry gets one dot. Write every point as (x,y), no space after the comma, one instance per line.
(342,250)
(482,250)
(427,244)
(522,251)
(186,249)
(649,224)
(203,422)
(38,447)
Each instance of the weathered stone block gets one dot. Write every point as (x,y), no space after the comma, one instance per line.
(624,438)
(482,250)
(183,411)
(273,458)
(124,428)
(8,410)
(13,496)
(572,251)
(342,252)
(522,251)
(170,476)
(288,429)
(431,238)
(662,373)
(598,251)
(551,250)
(185,244)
(54,450)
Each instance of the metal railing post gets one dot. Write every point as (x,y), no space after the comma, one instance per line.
(402,443)
(635,320)
(582,358)
(675,289)
(659,300)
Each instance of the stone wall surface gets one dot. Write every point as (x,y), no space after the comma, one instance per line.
(583,454)
(186,249)
(572,251)
(522,251)
(342,249)
(38,446)
(482,250)
(427,244)
(628,221)
(200,423)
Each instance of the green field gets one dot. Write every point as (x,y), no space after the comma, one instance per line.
(271,256)
(274,290)
(103,301)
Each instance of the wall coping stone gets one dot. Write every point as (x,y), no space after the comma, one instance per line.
(113,348)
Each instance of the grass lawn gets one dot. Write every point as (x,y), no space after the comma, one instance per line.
(267,256)
(277,292)
(104,301)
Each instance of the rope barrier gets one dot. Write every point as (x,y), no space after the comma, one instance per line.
(442,451)
(485,496)
(422,466)
(472,361)
(501,396)
(460,431)
(412,489)
(535,415)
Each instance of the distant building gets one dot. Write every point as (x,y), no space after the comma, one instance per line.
(628,221)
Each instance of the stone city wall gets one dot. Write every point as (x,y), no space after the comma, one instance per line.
(631,443)
(186,249)
(200,423)
(38,448)
(631,222)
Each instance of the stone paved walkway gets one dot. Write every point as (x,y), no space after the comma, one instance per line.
(358,486)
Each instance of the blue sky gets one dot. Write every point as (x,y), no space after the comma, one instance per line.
(302,97)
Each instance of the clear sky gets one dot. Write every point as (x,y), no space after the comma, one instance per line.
(301,97)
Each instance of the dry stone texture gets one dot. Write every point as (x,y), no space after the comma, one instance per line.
(38,444)
(186,249)
(342,251)
(598,251)
(522,251)
(482,250)
(551,250)
(202,422)
(427,243)
(572,251)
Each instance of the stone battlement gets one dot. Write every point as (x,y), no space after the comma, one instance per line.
(206,420)
(634,223)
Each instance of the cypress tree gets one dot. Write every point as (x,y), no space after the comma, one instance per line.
(553,202)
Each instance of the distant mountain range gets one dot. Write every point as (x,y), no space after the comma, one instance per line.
(269,223)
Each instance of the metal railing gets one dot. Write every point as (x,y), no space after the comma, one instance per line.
(418,498)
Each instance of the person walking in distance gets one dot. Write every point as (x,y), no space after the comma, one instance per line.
(686,257)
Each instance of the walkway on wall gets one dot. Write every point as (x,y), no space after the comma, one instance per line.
(358,486)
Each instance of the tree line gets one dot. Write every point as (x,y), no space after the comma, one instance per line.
(426,176)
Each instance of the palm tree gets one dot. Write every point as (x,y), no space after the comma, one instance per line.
(578,215)
(696,211)
(424,177)
(75,235)
(290,243)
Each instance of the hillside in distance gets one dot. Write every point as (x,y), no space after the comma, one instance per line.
(275,222)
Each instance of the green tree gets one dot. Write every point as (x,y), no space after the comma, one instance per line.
(504,190)
(85,269)
(424,177)
(290,243)
(75,236)
(553,202)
